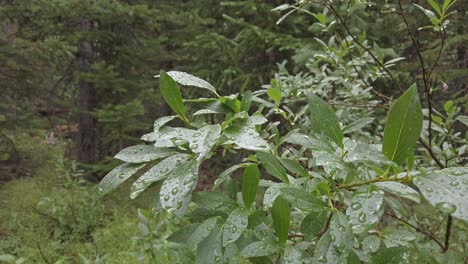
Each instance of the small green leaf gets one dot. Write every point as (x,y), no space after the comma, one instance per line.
(281,214)
(404,124)
(371,243)
(389,255)
(190,80)
(201,232)
(274,94)
(214,201)
(324,120)
(302,199)
(292,255)
(235,224)
(116,176)
(272,165)
(260,249)
(446,189)
(271,193)
(246,101)
(314,222)
(183,234)
(143,153)
(158,172)
(210,249)
(171,93)
(294,167)
(393,237)
(358,124)
(250,181)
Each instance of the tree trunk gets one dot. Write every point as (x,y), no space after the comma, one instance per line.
(87,138)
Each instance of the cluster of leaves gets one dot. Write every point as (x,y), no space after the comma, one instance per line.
(324,195)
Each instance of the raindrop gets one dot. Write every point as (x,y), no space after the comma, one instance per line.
(356,205)
(179,204)
(332,238)
(429,189)
(362,217)
(340,247)
(195,146)
(234,229)
(100,189)
(446,207)
(164,170)
(251,133)
(196,134)
(174,190)
(243,222)
(322,259)
(188,181)
(454,183)
(166,198)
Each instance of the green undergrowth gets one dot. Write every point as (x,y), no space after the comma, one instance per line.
(52,216)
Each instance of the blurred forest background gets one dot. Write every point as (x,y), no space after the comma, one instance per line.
(77,85)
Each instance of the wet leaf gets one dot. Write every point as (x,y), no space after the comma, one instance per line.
(446,190)
(324,120)
(250,181)
(400,190)
(365,210)
(272,165)
(235,224)
(281,214)
(117,176)
(403,126)
(143,153)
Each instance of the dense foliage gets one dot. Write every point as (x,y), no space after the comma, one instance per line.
(320,131)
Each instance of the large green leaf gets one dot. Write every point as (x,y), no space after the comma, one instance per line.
(446,189)
(176,191)
(116,176)
(143,153)
(190,80)
(272,165)
(365,210)
(235,224)
(281,215)
(324,120)
(171,93)
(158,172)
(403,126)
(250,181)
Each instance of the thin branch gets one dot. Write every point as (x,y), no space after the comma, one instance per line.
(433,156)
(42,253)
(427,88)
(447,233)
(392,79)
(431,236)
(379,179)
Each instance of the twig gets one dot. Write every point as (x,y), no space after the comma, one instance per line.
(42,253)
(431,236)
(379,179)
(433,156)
(447,233)
(392,79)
